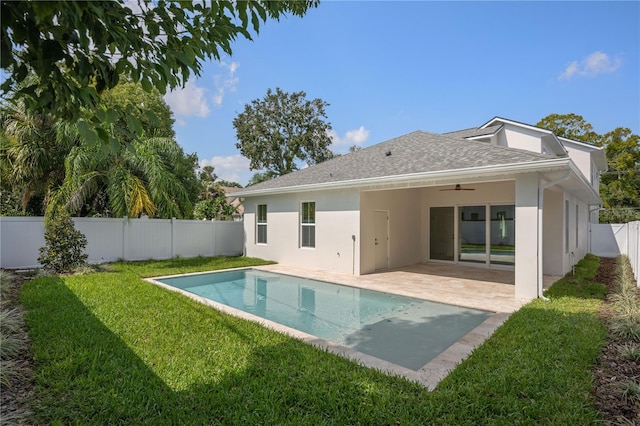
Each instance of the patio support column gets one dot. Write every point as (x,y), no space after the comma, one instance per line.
(527,256)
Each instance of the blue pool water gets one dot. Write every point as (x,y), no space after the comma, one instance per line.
(403,330)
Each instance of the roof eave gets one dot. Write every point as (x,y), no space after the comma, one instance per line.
(415,178)
(593,194)
(547,132)
(598,152)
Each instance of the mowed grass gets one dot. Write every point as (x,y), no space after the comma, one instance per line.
(112,348)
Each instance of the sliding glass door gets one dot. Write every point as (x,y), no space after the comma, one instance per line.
(503,235)
(473,234)
(482,234)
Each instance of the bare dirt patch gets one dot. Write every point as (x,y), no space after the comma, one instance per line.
(612,369)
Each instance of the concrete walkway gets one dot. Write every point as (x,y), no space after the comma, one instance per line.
(472,287)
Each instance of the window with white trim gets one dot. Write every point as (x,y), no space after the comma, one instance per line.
(308,224)
(261,224)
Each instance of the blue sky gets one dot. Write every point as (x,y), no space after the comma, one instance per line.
(390,68)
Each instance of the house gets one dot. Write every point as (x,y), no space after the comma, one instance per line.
(504,195)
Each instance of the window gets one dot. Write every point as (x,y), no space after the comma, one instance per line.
(308,225)
(261,224)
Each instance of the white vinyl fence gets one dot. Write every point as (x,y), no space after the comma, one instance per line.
(111,239)
(611,240)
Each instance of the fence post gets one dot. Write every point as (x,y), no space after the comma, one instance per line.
(125,237)
(172,237)
(214,233)
(628,229)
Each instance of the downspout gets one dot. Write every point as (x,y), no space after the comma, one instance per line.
(540,249)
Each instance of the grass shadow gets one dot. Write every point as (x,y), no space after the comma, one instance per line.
(85,372)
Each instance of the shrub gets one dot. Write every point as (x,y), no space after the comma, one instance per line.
(10,321)
(64,244)
(630,352)
(8,370)
(619,215)
(6,280)
(626,328)
(10,346)
(218,208)
(630,391)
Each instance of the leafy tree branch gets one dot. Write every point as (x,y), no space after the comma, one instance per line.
(77,49)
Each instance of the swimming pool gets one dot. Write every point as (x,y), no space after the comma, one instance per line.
(402,330)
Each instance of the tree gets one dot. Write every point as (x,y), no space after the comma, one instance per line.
(155,178)
(76,50)
(33,147)
(281,128)
(207,174)
(571,126)
(64,244)
(218,208)
(620,184)
(149,108)
(260,177)
(213,201)
(227,184)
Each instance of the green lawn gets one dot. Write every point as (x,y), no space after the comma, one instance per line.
(112,348)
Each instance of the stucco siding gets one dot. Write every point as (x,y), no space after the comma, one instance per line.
(553,232)
(337,220)
(520,138)
(526,236)
(403,207)
(581,156)
(577,231)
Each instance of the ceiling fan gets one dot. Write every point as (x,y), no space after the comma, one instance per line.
(458,188)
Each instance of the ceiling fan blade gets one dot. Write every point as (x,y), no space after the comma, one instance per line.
(458,188)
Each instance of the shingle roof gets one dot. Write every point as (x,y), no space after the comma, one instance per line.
(473,132)
(417,152)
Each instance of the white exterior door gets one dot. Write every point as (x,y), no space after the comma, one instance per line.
(381,239)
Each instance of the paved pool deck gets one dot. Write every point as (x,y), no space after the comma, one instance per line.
(479,288)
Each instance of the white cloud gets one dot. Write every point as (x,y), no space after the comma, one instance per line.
(352,137)
(594,64)
(233,168)
(225,82)
(189,101)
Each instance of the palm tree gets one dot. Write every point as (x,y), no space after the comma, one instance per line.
(153,177)
(33,148)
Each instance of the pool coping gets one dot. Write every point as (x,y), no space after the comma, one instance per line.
(429,375)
